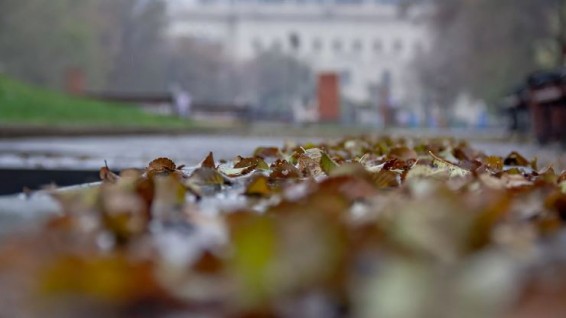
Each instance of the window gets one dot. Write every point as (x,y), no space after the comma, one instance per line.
(397,46)
(378,46)
(386,78)
(294,41)
(316,45)
(337,45)
(357,46)
(345,77)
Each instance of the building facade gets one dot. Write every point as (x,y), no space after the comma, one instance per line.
(368,43)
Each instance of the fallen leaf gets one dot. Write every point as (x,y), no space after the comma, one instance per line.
(327,164)
(258,186)
(208,162)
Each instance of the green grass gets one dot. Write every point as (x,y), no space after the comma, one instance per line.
(21,104)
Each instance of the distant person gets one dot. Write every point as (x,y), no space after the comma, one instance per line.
(183,101)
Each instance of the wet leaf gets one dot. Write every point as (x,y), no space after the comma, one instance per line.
(327,164)
(258,186)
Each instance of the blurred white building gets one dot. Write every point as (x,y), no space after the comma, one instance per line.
(366,42)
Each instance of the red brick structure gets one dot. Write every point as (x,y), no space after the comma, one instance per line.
(328,97)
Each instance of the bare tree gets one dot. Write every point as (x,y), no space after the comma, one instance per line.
(484,47)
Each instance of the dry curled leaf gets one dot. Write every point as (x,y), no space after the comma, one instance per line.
(451,168)
(282,169)
(208,162)
(515,159)
(106,175)
(161,164)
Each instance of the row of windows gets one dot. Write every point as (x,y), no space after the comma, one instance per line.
(337,45)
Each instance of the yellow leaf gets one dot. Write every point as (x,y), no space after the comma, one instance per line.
(259,187)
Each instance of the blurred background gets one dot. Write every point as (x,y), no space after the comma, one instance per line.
(378,63)
(254,72)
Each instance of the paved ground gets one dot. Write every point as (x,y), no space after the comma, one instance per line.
(122,152)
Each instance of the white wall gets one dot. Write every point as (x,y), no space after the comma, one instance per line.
(245,30)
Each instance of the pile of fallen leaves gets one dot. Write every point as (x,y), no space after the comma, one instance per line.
(362,227)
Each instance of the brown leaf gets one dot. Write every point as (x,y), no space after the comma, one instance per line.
(106,175)
(281,169)
(386,179)
(161,166)
(494,162)
(515,159)
(267,152)
(209,263)
(309,166)
(351,187)
(208,162)
(403,153)
(482,226)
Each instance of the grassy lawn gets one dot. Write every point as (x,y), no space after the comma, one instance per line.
(21,104)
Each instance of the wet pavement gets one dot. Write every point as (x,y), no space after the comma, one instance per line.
(137,151)
(123,152)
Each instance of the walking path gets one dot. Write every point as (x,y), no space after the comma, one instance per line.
(136,151)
